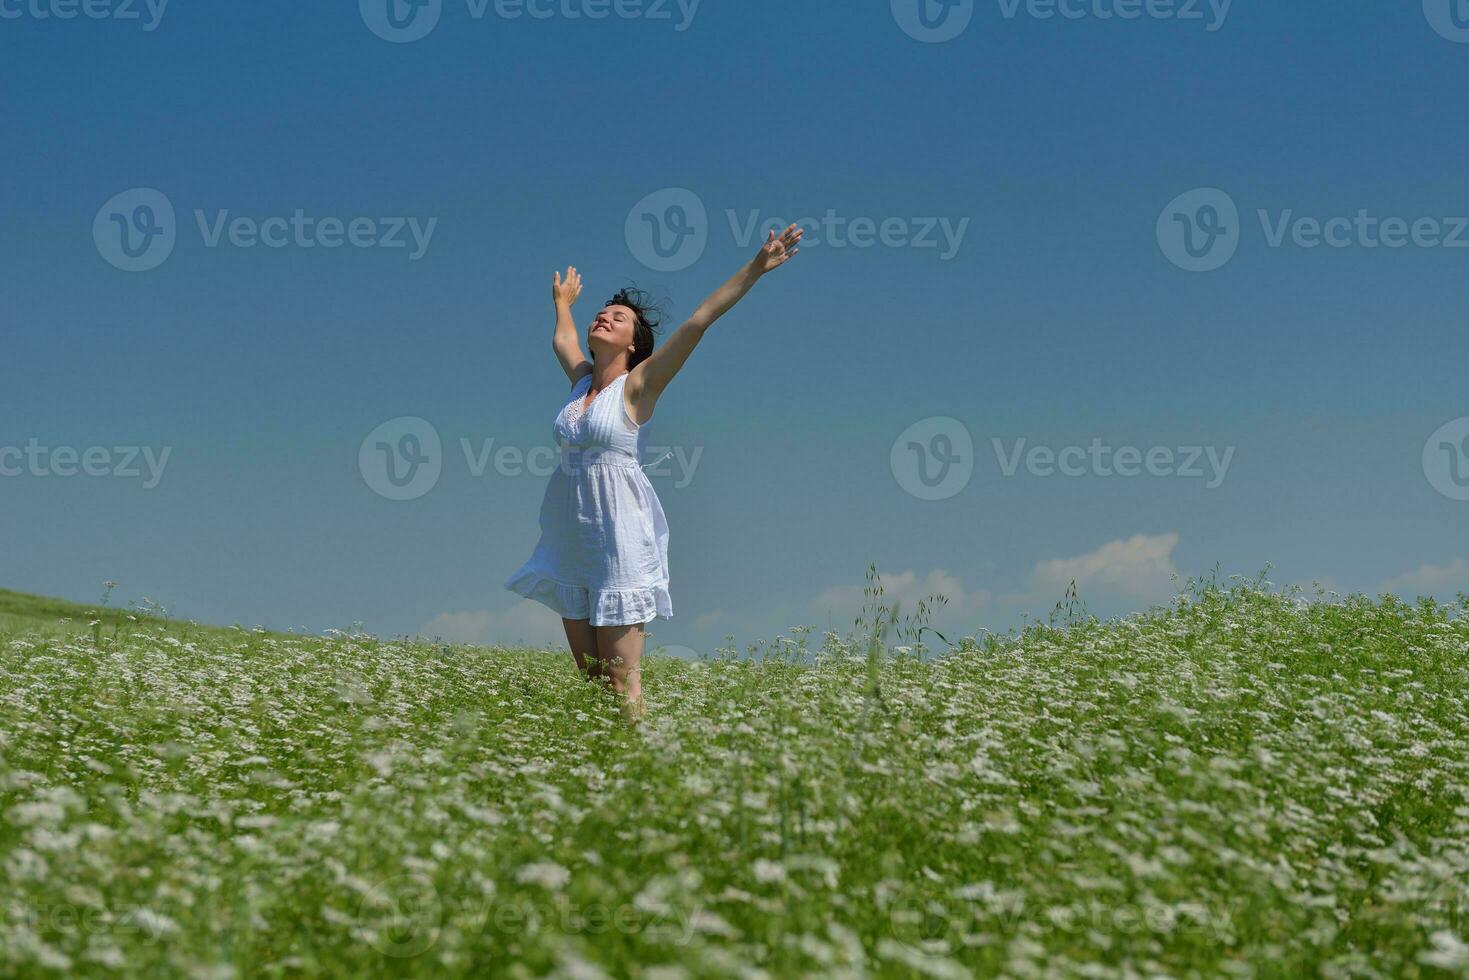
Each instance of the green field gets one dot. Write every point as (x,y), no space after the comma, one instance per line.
(37,615)
(1243,783)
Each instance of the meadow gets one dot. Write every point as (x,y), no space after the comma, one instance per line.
(1247,782)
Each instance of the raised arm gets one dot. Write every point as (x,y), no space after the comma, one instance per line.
(648,380)
(567,342)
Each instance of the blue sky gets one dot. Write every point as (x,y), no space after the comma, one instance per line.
(1065,155)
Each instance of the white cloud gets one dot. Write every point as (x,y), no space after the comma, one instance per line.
(527,623)
(1134,570)
(1438,580)
(1140,568)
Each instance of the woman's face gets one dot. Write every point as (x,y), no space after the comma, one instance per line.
(612,330)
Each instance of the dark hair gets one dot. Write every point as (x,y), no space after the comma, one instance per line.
(649,316)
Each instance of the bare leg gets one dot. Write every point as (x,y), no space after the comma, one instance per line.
(621,651)
(583,641)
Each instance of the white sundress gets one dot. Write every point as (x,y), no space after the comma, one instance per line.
(603,552)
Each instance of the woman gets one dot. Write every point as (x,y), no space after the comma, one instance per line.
(602,560)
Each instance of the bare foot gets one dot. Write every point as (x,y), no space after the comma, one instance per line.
(634,711)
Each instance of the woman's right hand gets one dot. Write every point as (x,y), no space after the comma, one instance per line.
(565,291)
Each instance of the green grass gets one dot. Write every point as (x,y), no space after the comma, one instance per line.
(1242,784)
(37,615)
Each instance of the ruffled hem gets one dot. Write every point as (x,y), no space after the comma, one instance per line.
(603,607)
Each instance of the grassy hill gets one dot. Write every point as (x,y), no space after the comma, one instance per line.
(1241,784)
(21,612)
